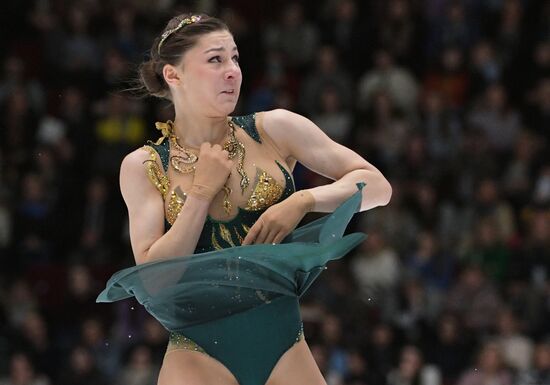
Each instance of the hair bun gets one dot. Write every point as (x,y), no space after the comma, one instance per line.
(152,80)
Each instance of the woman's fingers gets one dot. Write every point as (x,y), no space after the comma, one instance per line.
(279,237)
(261,233)
(264,233)
(275,236)
(252,233)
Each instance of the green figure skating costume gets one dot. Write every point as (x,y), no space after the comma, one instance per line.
(238,304)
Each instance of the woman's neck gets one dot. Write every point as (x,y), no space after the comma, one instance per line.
(193,130)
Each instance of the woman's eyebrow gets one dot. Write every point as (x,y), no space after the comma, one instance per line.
(218,49)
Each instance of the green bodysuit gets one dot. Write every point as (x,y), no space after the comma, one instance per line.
(239,304)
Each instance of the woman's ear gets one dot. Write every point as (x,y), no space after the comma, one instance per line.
(171,75)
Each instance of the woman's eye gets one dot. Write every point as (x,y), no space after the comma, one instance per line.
(218,59)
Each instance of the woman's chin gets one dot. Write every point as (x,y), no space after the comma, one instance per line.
(227,108)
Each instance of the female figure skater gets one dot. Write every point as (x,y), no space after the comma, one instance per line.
(210,204)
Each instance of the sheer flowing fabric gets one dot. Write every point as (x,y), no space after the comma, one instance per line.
(186,291)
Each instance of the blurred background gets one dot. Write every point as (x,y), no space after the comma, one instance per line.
(450,99)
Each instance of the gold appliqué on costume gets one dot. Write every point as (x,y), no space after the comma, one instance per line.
(241,239)
(162,183)
(175,204)
(226,234)
(179,341)
(215,242)
(156,176)
(245,228)
(266,192)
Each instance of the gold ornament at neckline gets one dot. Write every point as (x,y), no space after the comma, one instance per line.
(186,164)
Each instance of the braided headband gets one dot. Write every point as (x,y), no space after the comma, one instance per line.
(186,21)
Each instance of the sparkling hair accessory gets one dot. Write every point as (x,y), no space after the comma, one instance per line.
(186,21)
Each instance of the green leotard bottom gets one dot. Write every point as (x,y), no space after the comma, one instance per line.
(240,304)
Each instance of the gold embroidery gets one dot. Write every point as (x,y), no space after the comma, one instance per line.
(266,192)
(241,239)
(215,241)
(245,228)
(179,341)
(175,204)
(156,176)
(162,183)
(226,234)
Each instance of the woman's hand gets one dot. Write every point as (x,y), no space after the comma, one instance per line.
(211,171)
(280,219)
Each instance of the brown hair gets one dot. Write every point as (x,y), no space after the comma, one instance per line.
(150,78)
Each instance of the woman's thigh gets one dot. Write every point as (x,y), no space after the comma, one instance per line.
(296,367)
(183,367)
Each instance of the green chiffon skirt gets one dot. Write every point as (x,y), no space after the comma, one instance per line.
(240,304)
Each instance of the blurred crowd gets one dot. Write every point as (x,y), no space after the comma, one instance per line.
(450,99)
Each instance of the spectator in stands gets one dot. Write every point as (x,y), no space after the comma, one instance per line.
(36,338)
(485,66)
(475,299)
(359,371)
(412,369)
(489,251)
(397,223)
(81,369)
(22,372)
(516,347)
(450,348)
(488,369)
(140,368)
(391,79)
(328,75)
(335,120)
(119,129)
(294,36)
(382,351)
(15,79)
(496,119)
(332,339)
(377,269)
(105,352)
(450,78)
(386,128)
(539,373)
(442,128)
(342,26)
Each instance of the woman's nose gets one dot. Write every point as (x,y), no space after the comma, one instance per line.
(232,71)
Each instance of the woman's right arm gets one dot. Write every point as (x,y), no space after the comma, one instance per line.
(146,215)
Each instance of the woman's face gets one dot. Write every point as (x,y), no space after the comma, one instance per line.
(210,76)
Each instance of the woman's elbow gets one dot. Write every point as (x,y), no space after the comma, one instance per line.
(383,190)
(387,192)
(380,189)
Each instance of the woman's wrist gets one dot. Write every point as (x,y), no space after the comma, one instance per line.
(306,199)
(202,192)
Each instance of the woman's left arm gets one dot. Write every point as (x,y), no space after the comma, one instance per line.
(297,137)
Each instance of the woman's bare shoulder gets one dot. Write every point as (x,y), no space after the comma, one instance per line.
(277,116)
(133,173)
(277,125)
(137,157)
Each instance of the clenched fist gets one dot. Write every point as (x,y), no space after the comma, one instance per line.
(211,171)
